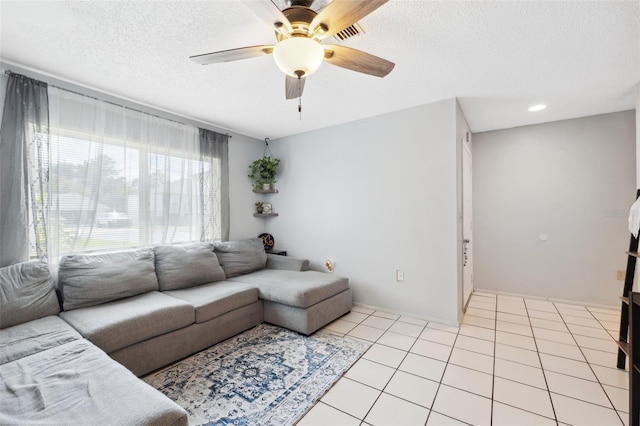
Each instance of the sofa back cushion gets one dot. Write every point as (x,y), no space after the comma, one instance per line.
(187,266)
(93,279)
(241,257)
(26,293)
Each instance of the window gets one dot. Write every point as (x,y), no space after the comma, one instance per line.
(120,178)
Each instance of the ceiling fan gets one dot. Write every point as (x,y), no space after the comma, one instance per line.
(300,30)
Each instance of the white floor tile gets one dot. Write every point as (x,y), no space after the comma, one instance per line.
(407,329)
(351,397)
(522,396)
(545,315)
(387,315)
(540,305)
(509,327)
(516,319)
(607,316)
(362,310)
(322,415)
(482,313)
(479,321)
(565,306)
(611,326)
(395,340)
(512,309)
(438,336)
(586,322)
(505,415)
(548,324)
(619,397)
(365,332)
(475,345)
(515,354)
(574,387)
(413,388)
(524,342)
(431,349)
(340,326)
(378,322)
(472,360)
(521,373)
(385,355)
(598,344)
(606,359)
(567,366)
(390,410)
(414,321)
(450,402)
(437,419)
(624,417)
(443,327)
(573,313)
(574,412)
(477,332)
(611,376)
(482,305)
(354,316)
(505,297)
(599,333)
(554,336)
(560,349)
(428,368)
(370,373)
(610,311)
(468,380)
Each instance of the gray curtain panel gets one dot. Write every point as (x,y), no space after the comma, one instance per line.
(24,145)
(214,152)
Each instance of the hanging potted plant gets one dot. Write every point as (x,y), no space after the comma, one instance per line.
(263,173)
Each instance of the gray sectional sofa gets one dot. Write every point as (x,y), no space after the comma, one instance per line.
(144,309)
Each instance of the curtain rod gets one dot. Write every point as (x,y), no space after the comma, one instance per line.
(9,72)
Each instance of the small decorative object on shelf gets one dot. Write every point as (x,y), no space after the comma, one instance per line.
(267,208)
(262,172)
(259,207)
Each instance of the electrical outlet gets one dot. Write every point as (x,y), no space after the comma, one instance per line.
(399,275)
(620,275)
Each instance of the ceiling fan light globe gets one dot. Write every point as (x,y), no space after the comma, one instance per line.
(298,54)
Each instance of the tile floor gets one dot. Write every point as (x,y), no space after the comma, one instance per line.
(513,362)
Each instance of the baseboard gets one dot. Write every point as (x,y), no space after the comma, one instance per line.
(547,299)
(406,314)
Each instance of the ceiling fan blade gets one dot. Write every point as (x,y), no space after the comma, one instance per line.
(339,14)
(232,54)
(357,60)
(269,12)
(293,87)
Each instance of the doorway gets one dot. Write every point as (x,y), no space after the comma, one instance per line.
(467,222)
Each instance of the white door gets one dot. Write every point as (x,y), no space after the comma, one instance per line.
(467,223)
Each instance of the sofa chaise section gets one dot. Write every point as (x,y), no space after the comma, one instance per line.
(77,383)
(49,374)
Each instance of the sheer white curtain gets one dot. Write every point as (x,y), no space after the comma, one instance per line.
(122,178)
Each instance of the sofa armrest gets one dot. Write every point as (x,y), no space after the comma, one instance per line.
(275,261)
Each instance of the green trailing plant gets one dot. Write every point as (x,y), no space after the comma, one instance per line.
(262,171)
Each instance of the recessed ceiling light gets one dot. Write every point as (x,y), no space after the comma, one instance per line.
(538,107)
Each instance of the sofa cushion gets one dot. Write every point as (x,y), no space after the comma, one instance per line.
(34,336)
(77,383)
(115,325)
(241,257)
(294,288)
(186,266)
(88,280)
(26,293)
(215,299)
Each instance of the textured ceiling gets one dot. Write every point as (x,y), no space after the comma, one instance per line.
(498,57)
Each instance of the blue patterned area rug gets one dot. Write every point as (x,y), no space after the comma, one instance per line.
(265,376)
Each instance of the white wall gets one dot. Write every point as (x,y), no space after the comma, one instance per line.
(571,180)
(377,195)
(243,150)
